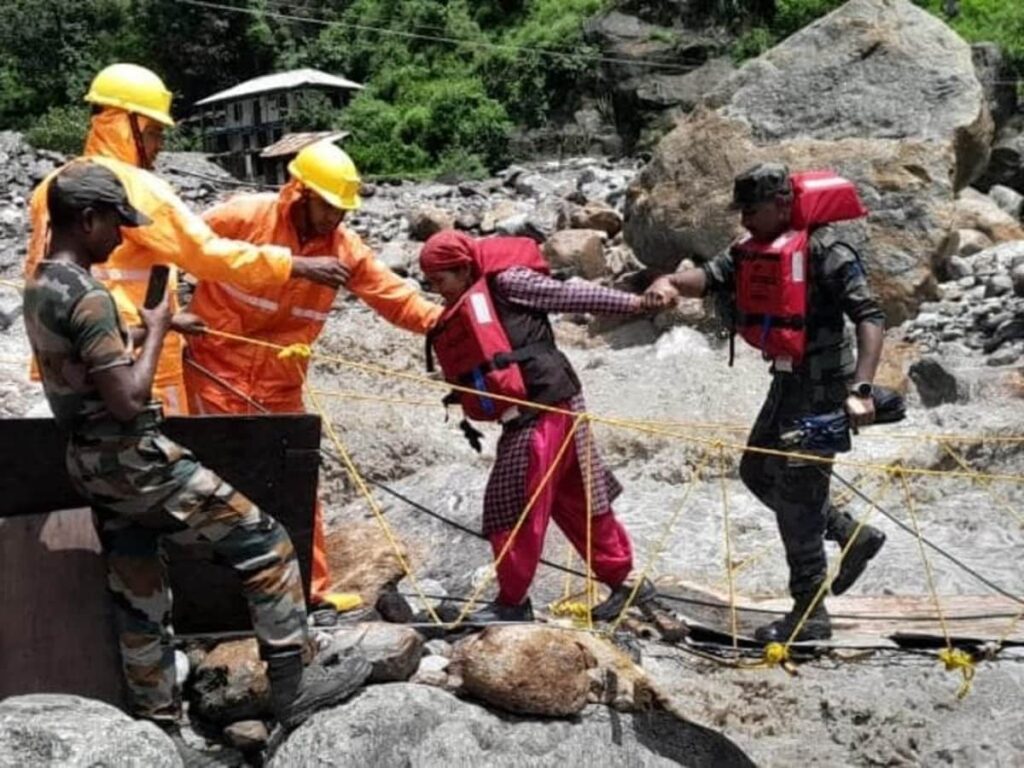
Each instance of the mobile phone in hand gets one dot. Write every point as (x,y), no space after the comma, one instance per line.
(157,286)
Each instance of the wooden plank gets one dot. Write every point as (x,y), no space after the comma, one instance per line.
(56,633)
(859,620)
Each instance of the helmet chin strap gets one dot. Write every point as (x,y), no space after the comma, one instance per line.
(140,148)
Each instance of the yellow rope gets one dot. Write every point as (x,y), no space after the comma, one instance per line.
(733,619)
(19,287)
(357,479)
(659,545)
(348,395)
(625,423)
(468,606)
(589,495)
(999,501)
(953,658)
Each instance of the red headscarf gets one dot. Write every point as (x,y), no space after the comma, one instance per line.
(450,249)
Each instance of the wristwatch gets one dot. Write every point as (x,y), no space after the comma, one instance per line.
(861,389)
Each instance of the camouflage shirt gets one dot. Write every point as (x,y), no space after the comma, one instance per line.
(838,287)
(75,330)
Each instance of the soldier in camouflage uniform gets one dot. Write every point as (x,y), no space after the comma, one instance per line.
(827,379)
(142,486)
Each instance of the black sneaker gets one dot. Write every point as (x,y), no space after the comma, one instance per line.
(868,542)
(497,613)
(817,627)
(612,606)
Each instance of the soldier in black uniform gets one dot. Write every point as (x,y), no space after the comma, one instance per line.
(828,378)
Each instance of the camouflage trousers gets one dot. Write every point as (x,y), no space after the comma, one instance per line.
(146,489)
(796,491)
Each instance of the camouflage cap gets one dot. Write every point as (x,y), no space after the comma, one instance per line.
(84,184)
(760,184)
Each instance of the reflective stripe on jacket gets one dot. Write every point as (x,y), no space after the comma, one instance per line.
(294,313)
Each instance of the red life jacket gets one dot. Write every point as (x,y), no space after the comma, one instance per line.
(771,278)
(470,341)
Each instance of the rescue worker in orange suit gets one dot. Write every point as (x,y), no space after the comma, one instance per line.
(505,279)
(227,376)
(131,111)
(826,378)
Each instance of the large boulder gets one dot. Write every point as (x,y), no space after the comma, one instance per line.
(42,730)
(526,670)
(363,560)
(881,91)
(418,725)
(980,212)
(679,206)
(579,250)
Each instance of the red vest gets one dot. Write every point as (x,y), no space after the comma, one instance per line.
(470,342)
(771,278)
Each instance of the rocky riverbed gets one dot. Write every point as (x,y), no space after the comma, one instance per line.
(944,249)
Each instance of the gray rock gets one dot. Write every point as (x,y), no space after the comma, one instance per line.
(998,285)
(580,250)
(837,79)
(958,267)
(832,95)
(522,225)
(534,185)
(934,383)
(247,735)
(42,730)
(415,725)
(1003,357)
(971,241)
(1006,162)
(393,650)
(1009,200)
(429,220)
(997,79)
(1017,277)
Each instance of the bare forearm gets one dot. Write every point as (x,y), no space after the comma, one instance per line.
(144,371)
(869,350)
(691,283)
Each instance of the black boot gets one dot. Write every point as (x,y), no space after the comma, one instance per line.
(841,528)
(497,612)
(612,606)
(818,626)
(298,691)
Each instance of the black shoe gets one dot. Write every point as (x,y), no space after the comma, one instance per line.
(868,542)
(616,601)
(817,627)
(496,613)
(298,691)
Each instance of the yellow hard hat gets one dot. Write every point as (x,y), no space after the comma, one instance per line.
(330,172)
(133,89)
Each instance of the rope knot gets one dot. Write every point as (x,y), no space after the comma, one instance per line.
(295,350)
(958,659)
(775,654)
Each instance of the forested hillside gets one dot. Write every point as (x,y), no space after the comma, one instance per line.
(448,79)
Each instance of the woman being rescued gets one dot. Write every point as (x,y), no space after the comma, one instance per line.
(495,337)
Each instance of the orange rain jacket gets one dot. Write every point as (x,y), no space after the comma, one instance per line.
(177,237)
(290,314)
